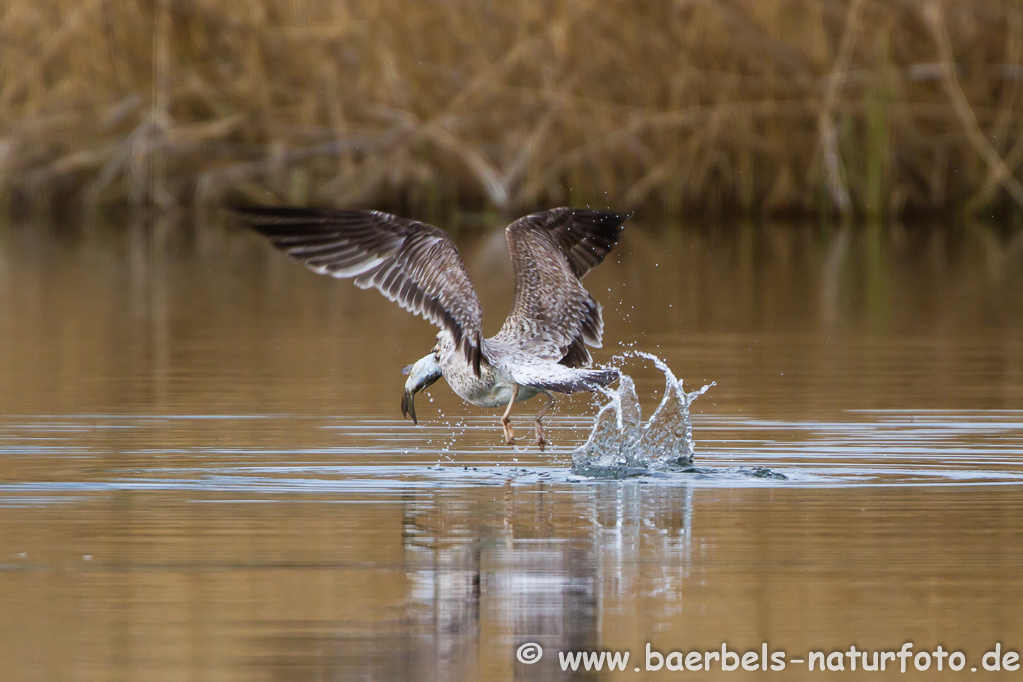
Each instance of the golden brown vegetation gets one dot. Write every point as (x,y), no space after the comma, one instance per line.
(870,107)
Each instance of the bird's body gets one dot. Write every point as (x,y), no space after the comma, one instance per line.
(542,345)
(495,384)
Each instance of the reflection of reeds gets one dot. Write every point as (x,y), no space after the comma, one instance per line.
(858,106)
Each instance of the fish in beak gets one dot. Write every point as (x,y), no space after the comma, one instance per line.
(420,375)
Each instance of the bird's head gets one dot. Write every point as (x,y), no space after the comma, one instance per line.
(420,375)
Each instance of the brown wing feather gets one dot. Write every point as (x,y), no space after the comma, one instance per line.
(552,313)
(585,236)
(413,264)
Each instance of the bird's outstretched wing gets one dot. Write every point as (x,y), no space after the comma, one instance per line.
(413,264)
(553,316)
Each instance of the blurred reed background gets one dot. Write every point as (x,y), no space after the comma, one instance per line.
(752,107)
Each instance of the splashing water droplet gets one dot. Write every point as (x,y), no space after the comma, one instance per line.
(620,444)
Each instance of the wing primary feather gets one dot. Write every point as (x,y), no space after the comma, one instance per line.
(412,263)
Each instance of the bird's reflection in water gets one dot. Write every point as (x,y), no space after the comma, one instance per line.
(488,572)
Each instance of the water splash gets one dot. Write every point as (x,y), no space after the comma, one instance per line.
(620,445)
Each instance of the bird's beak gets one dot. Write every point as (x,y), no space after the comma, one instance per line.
(408,406)
(420,375)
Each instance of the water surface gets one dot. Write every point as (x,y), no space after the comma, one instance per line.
(204,473)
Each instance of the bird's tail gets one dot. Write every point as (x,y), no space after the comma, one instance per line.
(601,377)
(561,379)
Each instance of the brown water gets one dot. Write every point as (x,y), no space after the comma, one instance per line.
(204,474)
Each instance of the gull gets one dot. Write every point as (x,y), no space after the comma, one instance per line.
(542,347)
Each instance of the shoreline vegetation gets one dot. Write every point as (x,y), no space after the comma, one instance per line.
(852,108)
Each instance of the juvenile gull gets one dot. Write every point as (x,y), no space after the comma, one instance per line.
(542,346)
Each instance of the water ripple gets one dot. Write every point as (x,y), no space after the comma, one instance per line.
(294,458)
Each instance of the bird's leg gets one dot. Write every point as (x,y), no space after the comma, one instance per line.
(540,440)
(509,432)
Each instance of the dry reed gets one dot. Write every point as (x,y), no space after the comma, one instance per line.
(868,107)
